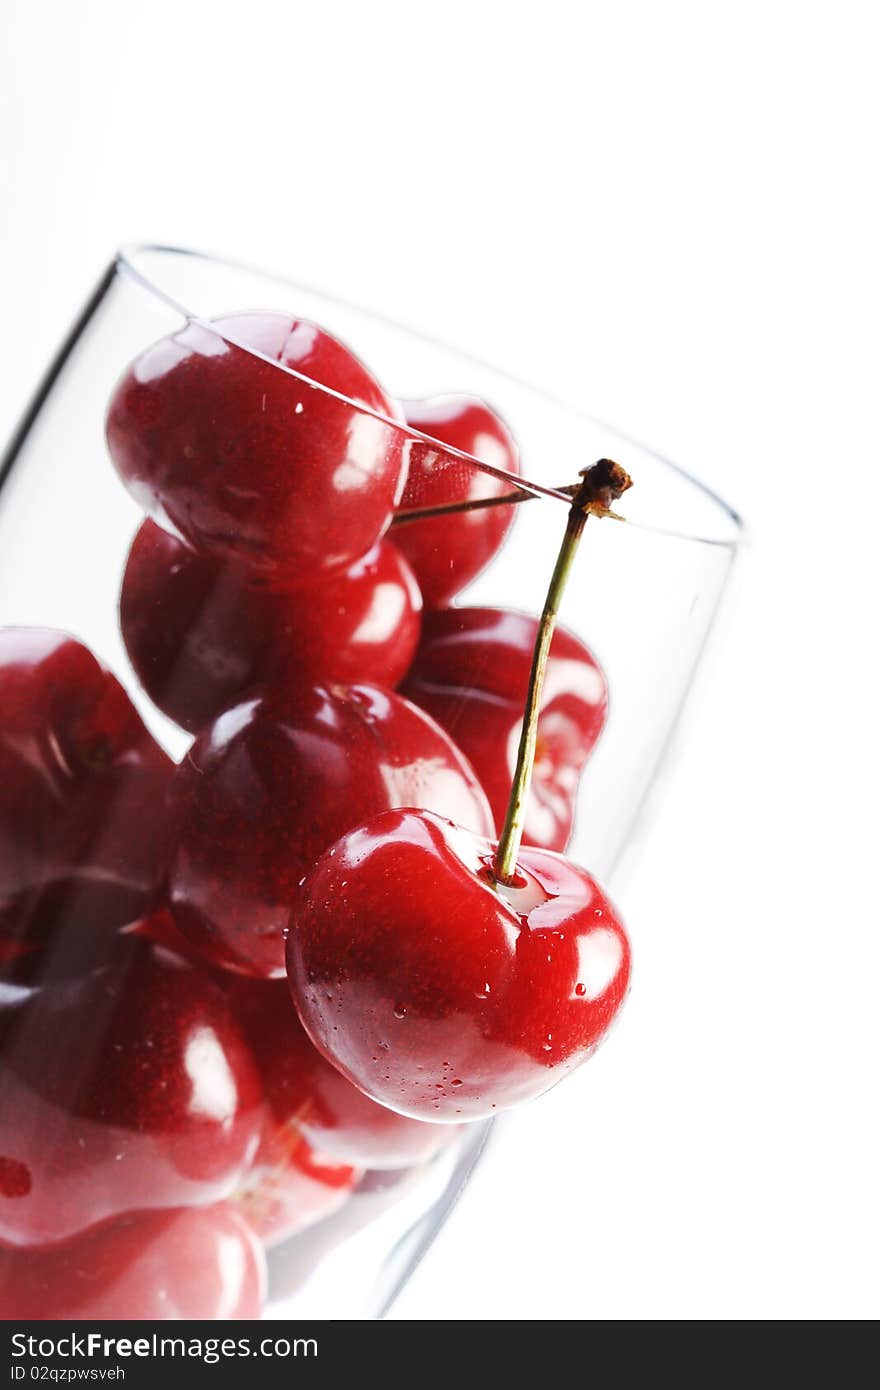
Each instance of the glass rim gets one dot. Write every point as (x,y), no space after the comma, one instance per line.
(125,262)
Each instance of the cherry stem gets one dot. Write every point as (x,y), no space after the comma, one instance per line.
(473,504)
(600,486)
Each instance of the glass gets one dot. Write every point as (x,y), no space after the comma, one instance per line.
(643,598)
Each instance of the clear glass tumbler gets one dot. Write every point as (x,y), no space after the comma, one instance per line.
(130,1102)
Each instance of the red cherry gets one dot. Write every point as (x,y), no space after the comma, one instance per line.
(200,633)
(447,552)
(273,782)
(471,674)
(306,1096)
(129,1088)
(247,462)
(439,994)
(342,1128)
(82,791)
(290,1186)
(202,1263)
(320,1130)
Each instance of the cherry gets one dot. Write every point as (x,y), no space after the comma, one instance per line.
(320,1130)
(341,1128)
(200,633)
(273,782)
(290,1186)
(337,1122)
(439,992)
(247,462)
(128,1088)
(82,789)
(200,1263)
(447,975)
(447,552)
(471,673)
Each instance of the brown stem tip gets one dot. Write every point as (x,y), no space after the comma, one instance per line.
(603,483)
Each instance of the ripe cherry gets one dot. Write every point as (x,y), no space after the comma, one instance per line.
(245,461)
(290,1186)
(200,633)
(471,673)
(319,1129)
(437,991)
(341,1128)
(338,1123)
(447,552)
(201,1263)
(447,975)
(82,789)
(273,782)
(128,1088)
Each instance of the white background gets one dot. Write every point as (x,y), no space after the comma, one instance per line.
(668,212)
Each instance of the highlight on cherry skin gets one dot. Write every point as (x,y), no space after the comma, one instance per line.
(201,634)
(129,1087)
(191,1262)
(441,992)
(447,552)
(83,833)
(272,783)
(250,463)
(471,674)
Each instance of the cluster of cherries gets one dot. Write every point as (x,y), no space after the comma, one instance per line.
(231,987)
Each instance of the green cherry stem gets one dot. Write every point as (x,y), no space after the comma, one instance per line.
(600,486)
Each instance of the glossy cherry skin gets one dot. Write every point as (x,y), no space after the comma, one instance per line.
(83,831)
(342,1129)
(291,1183)
(308,1097)
(290,1186)
(273,782)
(471,673)
(246,462)
(438,995)
(149,1266)
(129,1088)
(200,634)
(446,553)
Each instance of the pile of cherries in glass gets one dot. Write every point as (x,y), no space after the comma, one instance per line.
(230,987)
